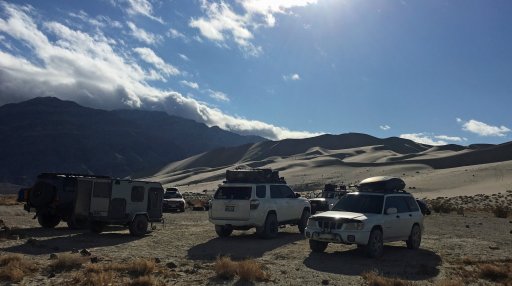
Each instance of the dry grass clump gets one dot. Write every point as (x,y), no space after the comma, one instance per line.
(501,211)
(15,267)
(374,279)
(138,267)
(143,281)
(67,262)
(496,272)
(247,270)
(450,283)
(8,200)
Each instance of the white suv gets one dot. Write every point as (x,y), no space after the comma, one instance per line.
(265,205)
(379,212)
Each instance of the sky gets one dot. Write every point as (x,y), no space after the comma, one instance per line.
(436,72)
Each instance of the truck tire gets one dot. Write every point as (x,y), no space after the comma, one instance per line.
(139,226)
(48,220)
(223,230)
(271,227)
(303,221)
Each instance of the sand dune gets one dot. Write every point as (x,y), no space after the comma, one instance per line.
(307,164)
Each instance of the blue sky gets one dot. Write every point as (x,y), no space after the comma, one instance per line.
(437,72)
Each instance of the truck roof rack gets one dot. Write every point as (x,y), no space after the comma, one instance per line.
(261,176)
(52,175)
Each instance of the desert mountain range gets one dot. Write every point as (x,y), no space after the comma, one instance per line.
(52,135)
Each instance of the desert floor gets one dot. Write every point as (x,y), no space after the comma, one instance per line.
(455,250)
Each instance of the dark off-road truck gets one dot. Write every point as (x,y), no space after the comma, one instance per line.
(93,201)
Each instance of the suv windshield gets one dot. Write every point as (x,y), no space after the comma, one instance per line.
(172,195)
(233,193)
(360,204)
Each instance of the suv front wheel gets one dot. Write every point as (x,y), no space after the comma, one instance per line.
(375,245)
(414,240)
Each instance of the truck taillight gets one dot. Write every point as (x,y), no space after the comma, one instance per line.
(254,204)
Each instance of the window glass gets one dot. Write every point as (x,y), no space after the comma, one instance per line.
(261,191)
(360,204)
(286,192)
(397,202)
(233,193)
(411,202)
(275,192)
(137,193)
(101,190)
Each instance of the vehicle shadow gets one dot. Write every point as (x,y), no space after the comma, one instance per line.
(240,246)
(66,241)
(397,262)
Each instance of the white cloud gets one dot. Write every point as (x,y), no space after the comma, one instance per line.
(449,138)
(458,120)
(484,129)
(99,21)
(190,84)
(218,95)
(91,70)
(184,57)
(293,77)
(175,34)
(423,139)
(385,127)
(143,35)
(222,21)
(139,7)
(149,56)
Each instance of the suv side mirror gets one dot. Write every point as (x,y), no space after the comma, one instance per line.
(297,195)
(391,211)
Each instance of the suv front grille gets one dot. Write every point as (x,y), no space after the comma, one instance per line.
(327,225)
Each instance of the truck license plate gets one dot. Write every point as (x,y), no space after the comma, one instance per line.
(230,208)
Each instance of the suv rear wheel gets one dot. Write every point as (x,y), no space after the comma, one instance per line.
(414,240)
(303,220)
(48,220)
(270,229)
(317,246)
(139,225)
(223,230)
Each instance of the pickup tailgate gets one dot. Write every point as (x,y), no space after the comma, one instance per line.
(231,203)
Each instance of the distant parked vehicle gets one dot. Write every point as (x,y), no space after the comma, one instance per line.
(381,211)
(256,198)
(173,200)
(328,198)
(94,201)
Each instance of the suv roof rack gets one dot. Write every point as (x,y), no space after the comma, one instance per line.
(381,184)
(51,175)
(266,175)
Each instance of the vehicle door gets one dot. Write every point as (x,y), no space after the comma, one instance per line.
(83,198)
(415,215)
(293,205)
(155,201)
(232,202)
(395,225)
(100,199)
(277,197)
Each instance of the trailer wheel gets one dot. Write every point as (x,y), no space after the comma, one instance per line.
(96,226)
(139,225)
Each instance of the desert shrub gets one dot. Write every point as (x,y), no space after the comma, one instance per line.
(375,279)
(225,268)
(442,207)
(450,282)
(67,262)
(99,277)
(141,267)
(501,211)
(143,281)
(250,270)
(495,272)
(15,267)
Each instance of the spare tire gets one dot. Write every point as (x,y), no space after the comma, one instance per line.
(41,194)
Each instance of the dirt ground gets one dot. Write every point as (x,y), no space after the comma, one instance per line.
(189,241)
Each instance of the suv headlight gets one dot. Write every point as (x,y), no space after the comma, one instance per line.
(312,223)
(354,225)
